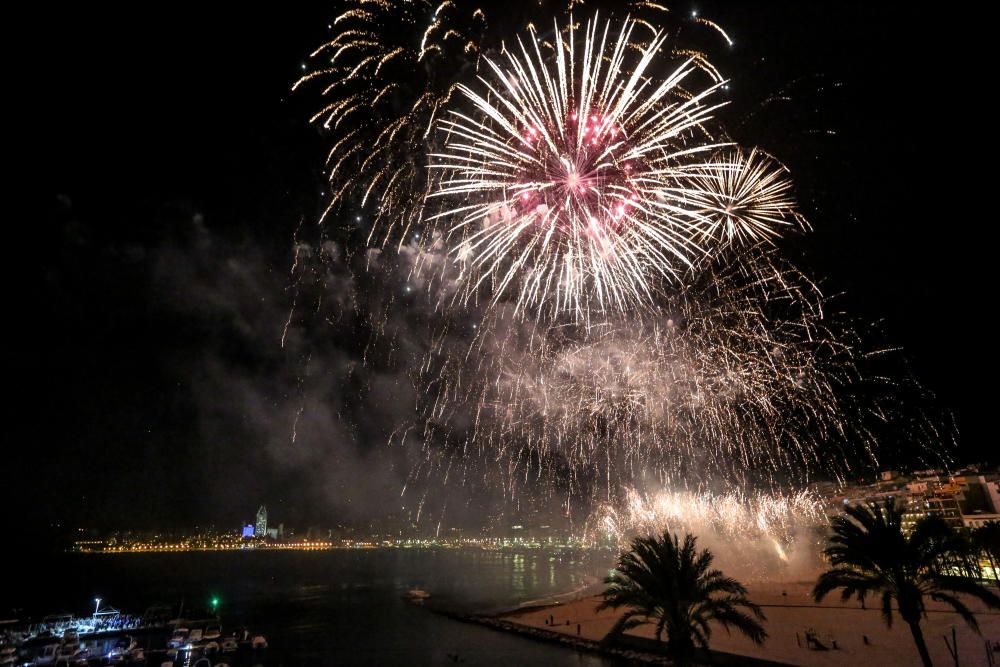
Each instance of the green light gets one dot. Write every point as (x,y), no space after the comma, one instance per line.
(215,602)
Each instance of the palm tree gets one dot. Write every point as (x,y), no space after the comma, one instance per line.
(672,585)
(871,555)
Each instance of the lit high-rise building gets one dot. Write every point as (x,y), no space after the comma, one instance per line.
(261,528)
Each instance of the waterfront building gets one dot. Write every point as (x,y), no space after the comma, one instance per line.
(979,519)
(261,528)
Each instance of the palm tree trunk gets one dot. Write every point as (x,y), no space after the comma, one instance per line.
(918,638)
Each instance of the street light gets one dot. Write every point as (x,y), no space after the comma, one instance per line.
(97,605)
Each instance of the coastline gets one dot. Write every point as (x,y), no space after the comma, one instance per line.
(498,622)
(628,648)
(588,589)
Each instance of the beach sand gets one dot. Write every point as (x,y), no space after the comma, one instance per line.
(790,614)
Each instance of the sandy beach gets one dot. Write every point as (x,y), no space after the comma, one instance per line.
(842,628)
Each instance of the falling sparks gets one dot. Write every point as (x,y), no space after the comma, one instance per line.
(737,377)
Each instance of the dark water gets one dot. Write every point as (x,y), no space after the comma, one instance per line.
(330,607)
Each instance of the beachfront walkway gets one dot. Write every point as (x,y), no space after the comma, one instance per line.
(791,616)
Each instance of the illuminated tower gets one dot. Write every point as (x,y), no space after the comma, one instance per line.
(261,528)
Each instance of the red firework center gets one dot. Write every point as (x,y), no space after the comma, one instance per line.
(581,181)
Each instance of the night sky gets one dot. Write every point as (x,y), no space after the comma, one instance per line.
(170,167)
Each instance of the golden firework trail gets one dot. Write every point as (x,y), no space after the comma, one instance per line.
(746,197)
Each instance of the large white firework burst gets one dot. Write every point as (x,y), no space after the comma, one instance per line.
(580,182)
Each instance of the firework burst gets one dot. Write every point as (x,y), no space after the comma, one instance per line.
(740,378)
(605,310)
(382,80)
(746,198)
(578,182)
(373,68)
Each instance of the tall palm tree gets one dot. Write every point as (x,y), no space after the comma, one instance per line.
(672,585)
(871,555)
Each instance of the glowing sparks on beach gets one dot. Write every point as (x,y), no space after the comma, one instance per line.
(760,515)
(757,532)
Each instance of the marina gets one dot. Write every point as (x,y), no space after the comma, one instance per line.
(112,637)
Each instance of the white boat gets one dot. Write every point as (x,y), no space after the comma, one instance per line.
(229,644)
(179,638)
(417,594)
(258,642)
(212,632)
(195,635)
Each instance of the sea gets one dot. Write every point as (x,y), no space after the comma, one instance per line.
(337,607)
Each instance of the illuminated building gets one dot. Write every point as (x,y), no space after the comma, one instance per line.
(261,529)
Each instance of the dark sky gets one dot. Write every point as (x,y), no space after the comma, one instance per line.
(170,167)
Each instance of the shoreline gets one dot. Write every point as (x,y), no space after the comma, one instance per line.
(631,649)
